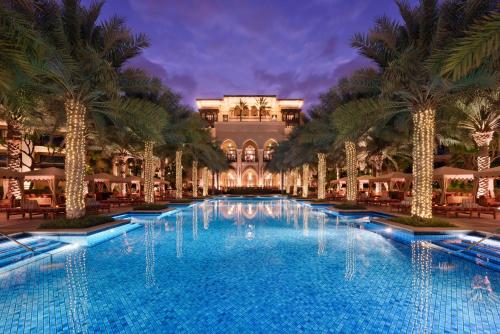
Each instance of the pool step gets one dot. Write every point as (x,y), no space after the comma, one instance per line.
(486,255)
(12,253)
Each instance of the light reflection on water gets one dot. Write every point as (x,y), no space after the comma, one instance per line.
(272,261)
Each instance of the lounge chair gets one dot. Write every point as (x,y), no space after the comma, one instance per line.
(32,208)
(468,206)
(91,205)
(402,206)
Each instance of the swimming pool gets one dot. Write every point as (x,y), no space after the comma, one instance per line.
(260,266)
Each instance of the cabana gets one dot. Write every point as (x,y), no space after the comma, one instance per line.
(490,173)
(52,176)
(443,175)
(137,181)
(362,180)
(103,178)
(391,181)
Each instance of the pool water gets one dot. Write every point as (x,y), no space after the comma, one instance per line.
(250,266)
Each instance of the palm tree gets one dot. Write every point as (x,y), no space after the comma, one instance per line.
(480,46)
(262,105)
(402,53)
(482,119)
(84,73)
(242,105)
(22,53)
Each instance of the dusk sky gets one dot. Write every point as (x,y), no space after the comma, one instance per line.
(292,48)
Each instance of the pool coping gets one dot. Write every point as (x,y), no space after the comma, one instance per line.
(154,212)
(81,231)
(421,230)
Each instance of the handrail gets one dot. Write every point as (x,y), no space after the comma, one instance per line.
(19,243)
(474,244)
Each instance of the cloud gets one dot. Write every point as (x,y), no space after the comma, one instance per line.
(180,82)
(295,84)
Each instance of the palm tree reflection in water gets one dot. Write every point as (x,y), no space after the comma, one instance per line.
(179,238)
(421,260)
(305,223)
(321,233)
(206,215)
(195,223)
(350,257)
(149,244)
(76,276)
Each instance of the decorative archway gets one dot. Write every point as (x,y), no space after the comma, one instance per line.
(249,178)
(229,147)
(249,151)
(269,147)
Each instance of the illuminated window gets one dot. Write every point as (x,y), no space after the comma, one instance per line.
(249,154)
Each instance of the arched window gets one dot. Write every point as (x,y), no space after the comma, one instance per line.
(249,153)
(269,148)
(229,147)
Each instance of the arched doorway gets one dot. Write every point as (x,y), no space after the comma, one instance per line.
(228,179)
(249,178)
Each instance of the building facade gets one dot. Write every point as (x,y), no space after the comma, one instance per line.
(248,127)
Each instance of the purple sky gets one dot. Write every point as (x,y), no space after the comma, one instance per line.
(292,48)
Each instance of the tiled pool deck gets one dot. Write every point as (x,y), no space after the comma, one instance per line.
(238,266)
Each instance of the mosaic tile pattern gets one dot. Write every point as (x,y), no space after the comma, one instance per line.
(239,266)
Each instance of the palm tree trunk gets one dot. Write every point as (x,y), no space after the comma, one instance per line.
(351,161)
(287,182)
(321,175)
(75,158)
(295,174)
(305,180)
(194,174)
(14,142)
(149,194)
(204,176)
(423,162)
(483,140)
(178,174)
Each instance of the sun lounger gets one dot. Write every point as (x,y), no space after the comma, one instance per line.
(31,208)
(468,206)
(91,205)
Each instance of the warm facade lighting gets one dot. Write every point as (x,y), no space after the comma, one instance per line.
(423,159)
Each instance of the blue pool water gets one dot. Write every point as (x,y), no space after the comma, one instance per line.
(250,266)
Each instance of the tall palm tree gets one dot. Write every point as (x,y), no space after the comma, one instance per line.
(482,119)
(402,53)
(83,72)
(22,53)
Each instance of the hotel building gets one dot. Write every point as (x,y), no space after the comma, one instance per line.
(247,128)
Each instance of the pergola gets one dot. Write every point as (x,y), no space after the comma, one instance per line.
(443,175)
(52,175)
(391,179)
(362,180)
(490,173)
(105,178)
